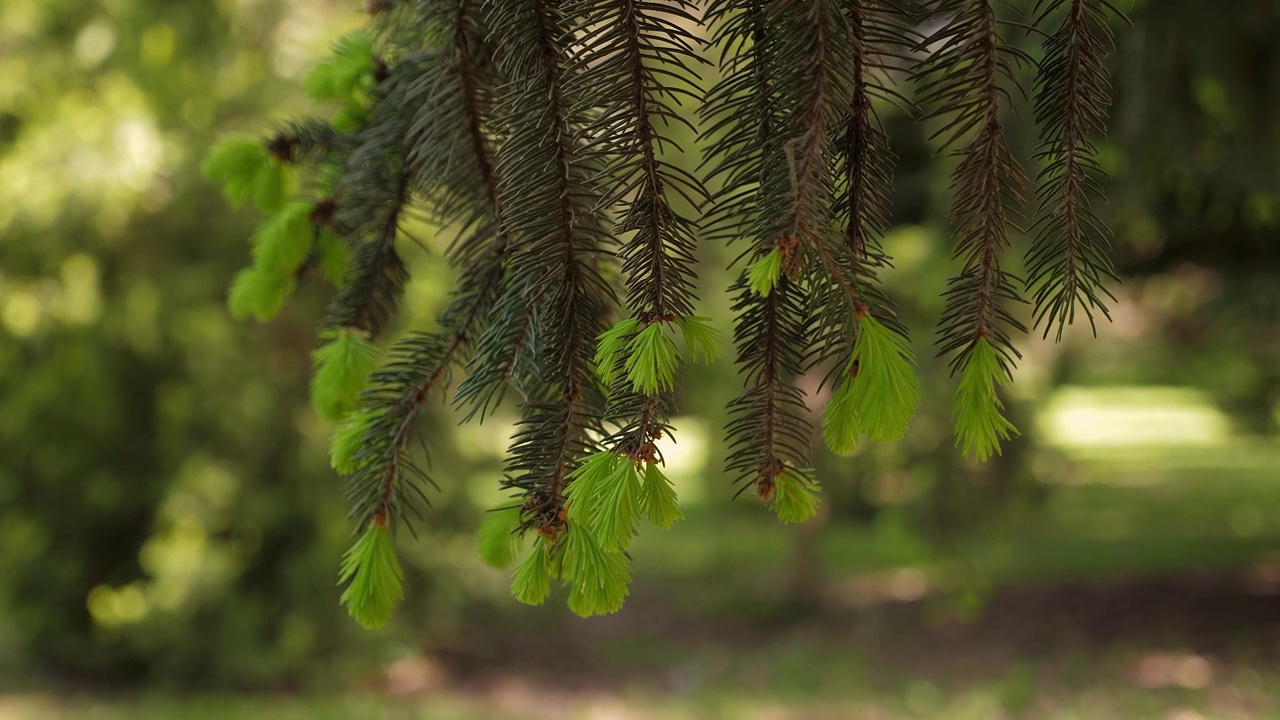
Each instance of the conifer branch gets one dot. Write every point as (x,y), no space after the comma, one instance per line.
(879,33)
(522,126)
(640,55)
(376,279)
(966,80)
(768,434)
(1068,265)
(550,209)
(451,163)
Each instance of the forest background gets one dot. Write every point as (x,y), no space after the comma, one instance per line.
(170,528)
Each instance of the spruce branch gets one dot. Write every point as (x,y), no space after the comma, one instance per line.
(537,135)
(768,431)
(879,33)
(768,434)
(450,160)
(967,80)
(1067,265)
(550,209)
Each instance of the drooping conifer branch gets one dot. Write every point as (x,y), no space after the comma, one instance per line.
(452,165)
(814,64)
(375,282)
(550,210)
(523,126)
(967,78)
(768,434)
(640,57)
(1068,266)
(879,32)
(739,117)
(449,163)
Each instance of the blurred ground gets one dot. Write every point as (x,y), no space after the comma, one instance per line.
(1151,592)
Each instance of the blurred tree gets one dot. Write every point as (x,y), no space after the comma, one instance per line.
(158,506)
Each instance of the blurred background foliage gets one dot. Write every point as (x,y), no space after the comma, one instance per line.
(168,519)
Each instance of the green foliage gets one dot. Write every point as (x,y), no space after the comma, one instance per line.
(335,257)
(1067,264)
(498,540)
(235,162)
(651,361)
(531,582)
(658,498)
(260,292)
(704,342)
(879,395)
(604,496)
(610,347)
(608,494)
(980,428)
(284,241)
(248,172)
(373,576)
(349,437)
(598,580)
(274,184)
(342,74)
(763,274)
(341,368)
(538,131)
(651,357)
(795,496)
(840,428)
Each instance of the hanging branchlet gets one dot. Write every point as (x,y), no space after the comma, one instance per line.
(640,57)
(829,83)
(1068,266)
(551,209)
(768,435)
(880,33)
(967,80)
(449,161)
(738,115)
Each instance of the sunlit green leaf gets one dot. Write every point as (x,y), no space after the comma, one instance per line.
(598,581)
(703,341)
(348,438)
(652,360)
(795,496)
(236,162)
(763,274)
(497,541)
(980,428)
(260,293)
(338,76)
(284,241)
(658,498)
(531,582)
(609,348)
(341,367)
(880,392)
(375,579)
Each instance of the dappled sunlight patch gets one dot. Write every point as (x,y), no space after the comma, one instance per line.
(112,607)
(414,674)
(1117,417)
(900,585)
(1164,670)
